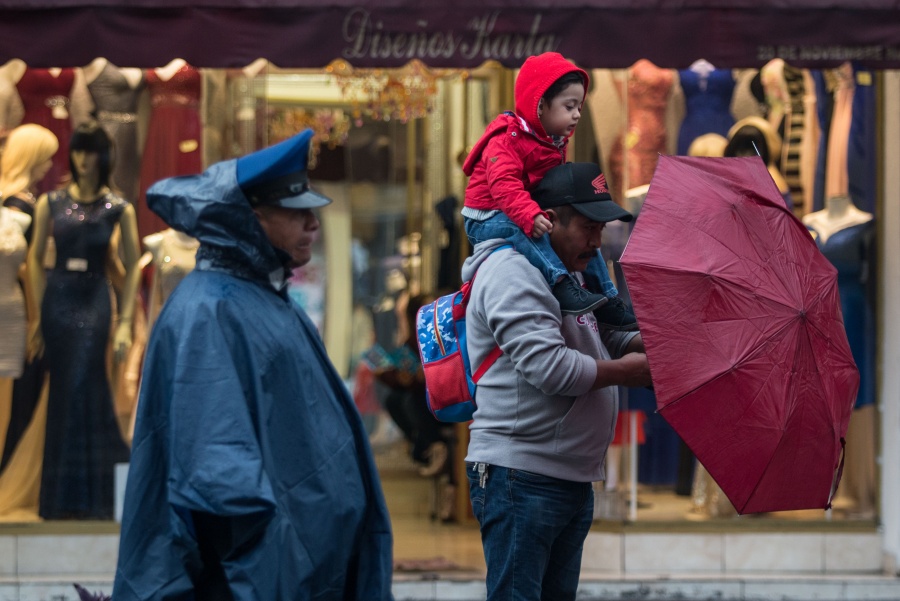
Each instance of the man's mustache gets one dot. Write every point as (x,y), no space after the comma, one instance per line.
(587,255)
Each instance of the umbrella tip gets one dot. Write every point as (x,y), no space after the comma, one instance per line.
(756,149)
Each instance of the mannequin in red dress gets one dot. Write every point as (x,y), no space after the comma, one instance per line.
(635,153)
(45,97)
(174,132)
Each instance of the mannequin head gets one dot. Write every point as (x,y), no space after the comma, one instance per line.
(90,139)
(26,158)
(754,130)
(708,145)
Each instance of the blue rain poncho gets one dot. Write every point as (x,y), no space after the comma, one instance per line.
(246,437)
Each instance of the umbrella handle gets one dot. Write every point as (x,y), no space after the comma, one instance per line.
(837,477)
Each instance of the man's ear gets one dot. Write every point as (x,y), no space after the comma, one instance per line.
(540,106)
(552,216)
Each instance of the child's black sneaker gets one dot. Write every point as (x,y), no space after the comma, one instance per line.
(575,300)
(615,315)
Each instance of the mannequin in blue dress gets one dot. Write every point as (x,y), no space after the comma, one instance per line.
(845,235)
(707,96)
(83,442)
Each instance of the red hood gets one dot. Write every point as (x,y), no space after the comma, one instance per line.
(536,75)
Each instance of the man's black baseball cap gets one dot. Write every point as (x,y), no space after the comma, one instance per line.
(583,186)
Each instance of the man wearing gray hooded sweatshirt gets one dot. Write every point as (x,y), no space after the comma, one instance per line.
(547,408)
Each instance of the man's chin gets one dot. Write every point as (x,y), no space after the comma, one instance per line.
(299,259)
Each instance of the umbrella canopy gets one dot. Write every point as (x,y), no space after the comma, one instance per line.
(741,318)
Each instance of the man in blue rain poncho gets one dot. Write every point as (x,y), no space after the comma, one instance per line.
(251,476)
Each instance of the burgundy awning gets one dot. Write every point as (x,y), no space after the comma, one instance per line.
(450,33)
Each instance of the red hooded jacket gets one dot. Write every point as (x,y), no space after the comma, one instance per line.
(515,152)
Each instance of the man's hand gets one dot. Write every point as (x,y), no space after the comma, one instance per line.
(631,370)
(542,226)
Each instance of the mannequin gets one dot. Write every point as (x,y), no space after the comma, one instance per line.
(25,161)
(846,236)
(173,255)
(46,97)
(634,154)
(707,96)
(83,442)
(13,246)
(754,136)
(839,213)
(173,145)
(116,92)
(784,88)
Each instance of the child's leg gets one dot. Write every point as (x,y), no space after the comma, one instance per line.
(571,296)
(596,276)
(538,251)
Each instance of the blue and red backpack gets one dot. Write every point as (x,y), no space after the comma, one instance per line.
(450,382)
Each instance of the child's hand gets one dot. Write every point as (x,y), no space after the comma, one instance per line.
(542,226)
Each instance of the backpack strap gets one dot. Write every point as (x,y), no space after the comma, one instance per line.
(486,364)
(496,351)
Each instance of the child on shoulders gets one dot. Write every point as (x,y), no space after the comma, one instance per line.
(514,153)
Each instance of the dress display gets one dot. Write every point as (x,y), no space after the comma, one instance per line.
(635,154)
(12,302)
(46,98)
(83,441)
(862,150)
(836,172)
(707,103)
(27,387)
(116,103)
(173,136)
(851,251)
(173,258)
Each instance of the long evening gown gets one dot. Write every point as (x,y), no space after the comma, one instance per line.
(636,152)
(46,100)
(852,250)
(83,442)
(173,137)
(116,102)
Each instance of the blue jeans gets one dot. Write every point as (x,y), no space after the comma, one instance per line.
(532,529)
(539,252)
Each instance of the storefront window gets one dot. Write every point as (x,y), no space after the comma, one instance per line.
(388,150)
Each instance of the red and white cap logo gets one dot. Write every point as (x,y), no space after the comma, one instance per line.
(599,184)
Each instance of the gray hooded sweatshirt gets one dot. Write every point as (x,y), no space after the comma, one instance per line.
(536,411)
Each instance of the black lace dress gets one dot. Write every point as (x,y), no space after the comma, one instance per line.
(83,442)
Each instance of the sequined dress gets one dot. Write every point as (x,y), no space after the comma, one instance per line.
(46,100)
(83,441)
(117,104)
(173,137)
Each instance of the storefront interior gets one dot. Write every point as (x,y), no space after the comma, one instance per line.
(388,148)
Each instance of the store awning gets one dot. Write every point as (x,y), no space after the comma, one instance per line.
(450,33)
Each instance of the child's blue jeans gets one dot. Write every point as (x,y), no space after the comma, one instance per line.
(539,252)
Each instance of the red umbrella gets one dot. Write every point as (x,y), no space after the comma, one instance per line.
(741,319)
